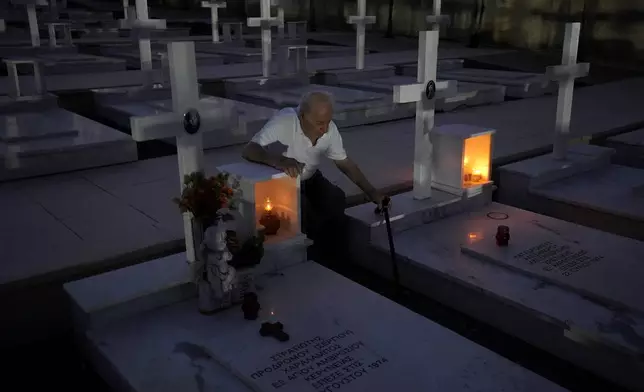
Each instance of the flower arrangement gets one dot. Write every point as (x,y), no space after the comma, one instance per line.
(205,196)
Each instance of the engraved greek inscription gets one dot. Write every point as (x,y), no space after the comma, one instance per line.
(557,258)
(320,364)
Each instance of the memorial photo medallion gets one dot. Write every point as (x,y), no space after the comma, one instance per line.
(192,121)
(430,90)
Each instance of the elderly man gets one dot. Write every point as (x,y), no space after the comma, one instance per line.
(308,133)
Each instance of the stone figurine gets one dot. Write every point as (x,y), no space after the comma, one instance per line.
(217,256)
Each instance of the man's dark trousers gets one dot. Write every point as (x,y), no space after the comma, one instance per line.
(323,218)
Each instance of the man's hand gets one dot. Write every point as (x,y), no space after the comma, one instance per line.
(290,166)
(378,199)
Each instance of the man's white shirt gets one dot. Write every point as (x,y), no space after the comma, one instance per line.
(284,128)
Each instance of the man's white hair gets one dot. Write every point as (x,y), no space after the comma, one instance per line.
(312,98)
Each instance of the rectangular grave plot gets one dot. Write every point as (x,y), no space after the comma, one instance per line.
(597,271)
(30,127)
(496,74)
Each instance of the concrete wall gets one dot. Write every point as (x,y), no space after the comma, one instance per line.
(613,29)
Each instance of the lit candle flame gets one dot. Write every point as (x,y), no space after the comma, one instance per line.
(269,206)
(466,160)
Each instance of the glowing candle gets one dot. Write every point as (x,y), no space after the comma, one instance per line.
(269,219)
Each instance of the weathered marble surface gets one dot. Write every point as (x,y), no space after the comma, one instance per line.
(585,188)
(517,84)
(352,107)
(55,141)
(468,94)
(133,58)
(251,118)
(69,63)
(629,148)
(609,190)
(135,77)
(603,272)
(175,348)
(592,335)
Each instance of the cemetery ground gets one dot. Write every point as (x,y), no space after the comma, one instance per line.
(56,362)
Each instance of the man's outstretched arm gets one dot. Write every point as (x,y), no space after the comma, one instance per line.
(256,153)
(353,172)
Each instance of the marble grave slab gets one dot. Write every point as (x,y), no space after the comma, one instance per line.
(518,84)
(133,58)
(67,63)
(629,148)
(578,328)
(468,94)
(340,338)
(585,188)
(243,54)
(352,107)
(251,118)
(609,190)
(55,141)
(232,53)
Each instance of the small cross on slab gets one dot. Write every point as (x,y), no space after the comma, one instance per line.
(265,22)
(361,20)
(32,16)
(424,94)
(59,29)
(15,90)
(436,19)
(214,6)
(232,31)
(187,122)
(565,75)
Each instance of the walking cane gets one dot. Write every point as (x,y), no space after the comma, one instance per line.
(386,204)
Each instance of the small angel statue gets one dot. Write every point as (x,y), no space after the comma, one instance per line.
(217,255)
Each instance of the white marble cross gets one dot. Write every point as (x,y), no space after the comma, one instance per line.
(32,17)
(436,19)
(214,6)
(265,22)
(424,94)
(142,24)
(361,20)
(565,75)
(187,122)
